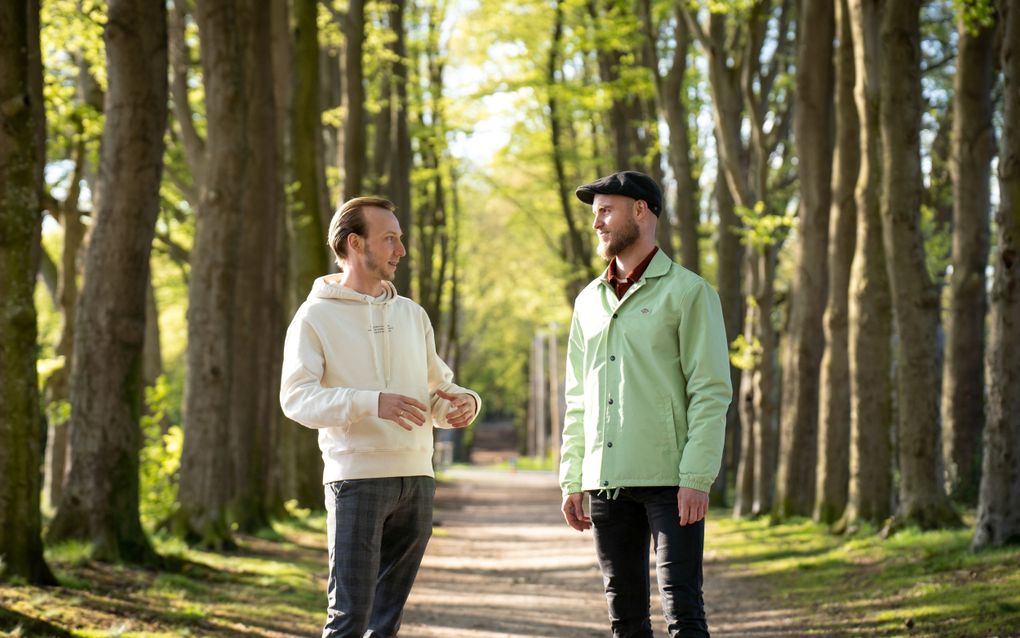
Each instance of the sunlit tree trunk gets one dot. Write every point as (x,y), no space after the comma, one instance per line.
(869,496)
(973,145)
(100,500)
(923,499)
(998,515)
(834,385)
(805,341)
(20,187)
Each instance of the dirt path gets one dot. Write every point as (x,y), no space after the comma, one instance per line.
(502,563)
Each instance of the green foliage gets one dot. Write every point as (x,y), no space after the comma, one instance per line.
(745,355)
(761,228)
(938,242)
(976,14)
(160,457)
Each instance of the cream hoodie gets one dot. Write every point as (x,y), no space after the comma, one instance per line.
(343,348)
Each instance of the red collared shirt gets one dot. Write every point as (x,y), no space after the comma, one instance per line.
(621,286)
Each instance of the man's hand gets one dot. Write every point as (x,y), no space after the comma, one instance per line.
(692,503)
(462,408)
(404,411)
(573,511)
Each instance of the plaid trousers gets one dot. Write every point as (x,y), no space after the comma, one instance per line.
(378,530)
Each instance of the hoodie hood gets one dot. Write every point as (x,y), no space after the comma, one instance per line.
(323,289)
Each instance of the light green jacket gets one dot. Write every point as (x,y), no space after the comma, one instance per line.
(647,385)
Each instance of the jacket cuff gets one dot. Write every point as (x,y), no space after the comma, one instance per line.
(696,483)
(365,404)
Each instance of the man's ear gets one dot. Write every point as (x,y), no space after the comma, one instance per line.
(641,210)
(355,243)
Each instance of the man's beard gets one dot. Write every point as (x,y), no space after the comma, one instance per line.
(619,240)
(375,266)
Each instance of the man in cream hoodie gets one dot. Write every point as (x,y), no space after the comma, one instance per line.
(360,366)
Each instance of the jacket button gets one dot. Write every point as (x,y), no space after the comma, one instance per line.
(612,357)
(605,483)
(610,444)
(615,315)
(610,402)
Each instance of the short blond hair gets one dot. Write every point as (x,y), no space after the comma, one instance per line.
(348,220)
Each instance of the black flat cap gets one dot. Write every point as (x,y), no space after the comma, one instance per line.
(628,183)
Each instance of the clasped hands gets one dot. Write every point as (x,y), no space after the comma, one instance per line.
(408,412)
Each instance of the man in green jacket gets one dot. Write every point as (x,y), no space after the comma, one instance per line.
(647,388)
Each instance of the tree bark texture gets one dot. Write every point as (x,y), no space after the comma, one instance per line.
(21,431)
(355,145)
(234,297)
(834,383)
(672,107)
(805,340)
(400,163)
(728,254)
(973,145)
(100,500)
(259,300)
(869,496)
(309,254)
(998,515)
(923,499)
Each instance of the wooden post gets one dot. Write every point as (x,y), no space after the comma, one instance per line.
(555,394)
(541,440)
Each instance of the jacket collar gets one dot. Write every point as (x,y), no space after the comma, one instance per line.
(658,267)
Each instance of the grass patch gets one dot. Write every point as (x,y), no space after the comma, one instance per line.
(913,583)
(273,584)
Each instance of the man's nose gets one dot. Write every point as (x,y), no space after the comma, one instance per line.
(401,251)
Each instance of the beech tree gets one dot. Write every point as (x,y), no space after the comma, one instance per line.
(834,384)
(100,500)
(805,341)
(869,496)
(21,439)
(973,145)
(998,516)
(923,499)
(234,310)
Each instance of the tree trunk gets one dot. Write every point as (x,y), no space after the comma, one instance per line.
(834,385)
(257,302)
(21,438)
(58,387)
(998,515)
(400,163)
(309,255)
(973,144)
(923,499)
(728,257)
(869,496)
(576,249)
(805,341)
(231,298)
(672,108)
(100,500)
(355,147)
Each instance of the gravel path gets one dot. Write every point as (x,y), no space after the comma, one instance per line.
(503,563)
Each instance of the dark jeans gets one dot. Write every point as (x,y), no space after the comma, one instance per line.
(622,528)
(378,530)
